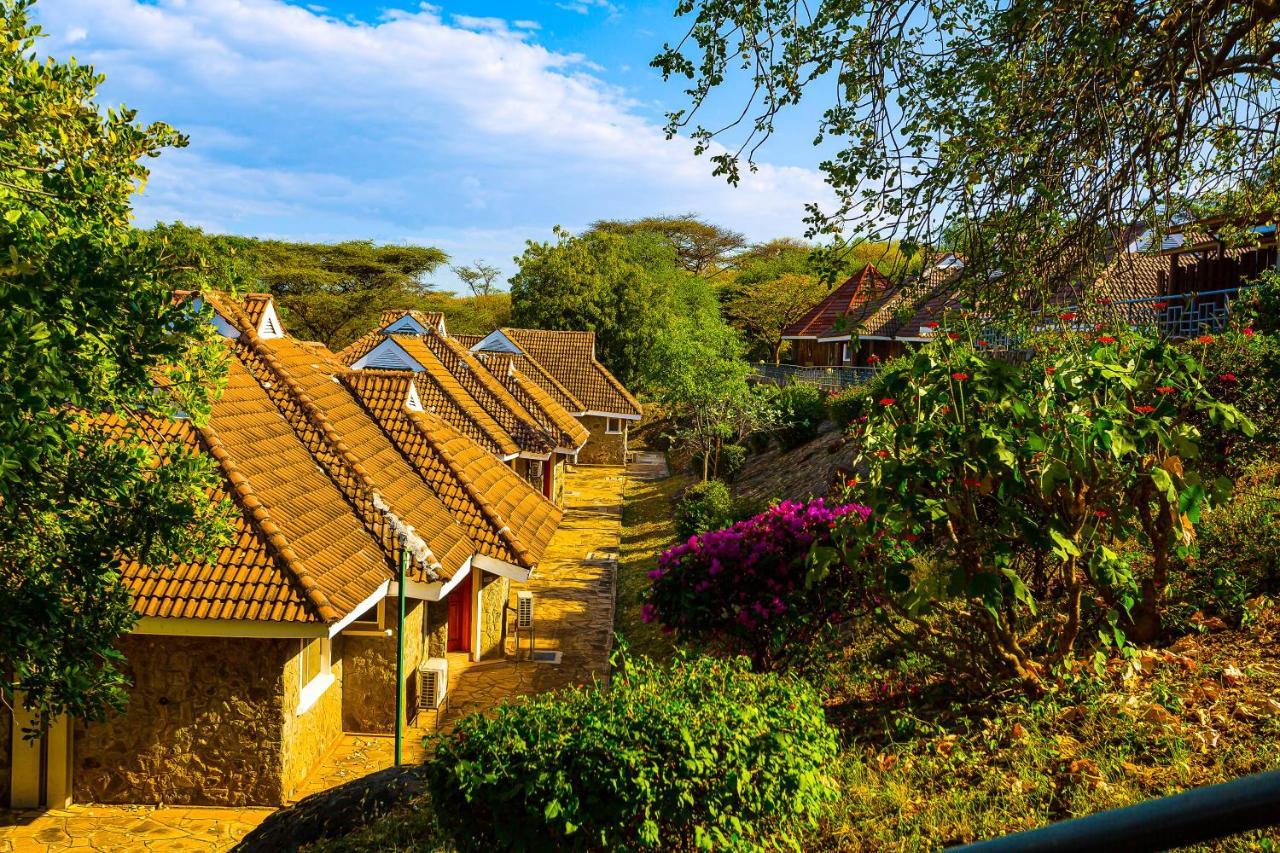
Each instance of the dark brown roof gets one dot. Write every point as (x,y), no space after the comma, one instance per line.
(843,308)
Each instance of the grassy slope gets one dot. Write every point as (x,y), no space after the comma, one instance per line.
(647,528)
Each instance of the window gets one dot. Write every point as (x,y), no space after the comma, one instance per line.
(844,353)
(371,622)
(314,675)
(613,426)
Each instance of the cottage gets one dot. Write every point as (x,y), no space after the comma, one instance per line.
(246,668)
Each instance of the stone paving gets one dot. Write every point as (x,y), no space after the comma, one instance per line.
(573,593)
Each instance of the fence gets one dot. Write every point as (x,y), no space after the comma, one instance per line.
(826,378)
(1185,316)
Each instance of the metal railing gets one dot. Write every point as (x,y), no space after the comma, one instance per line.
(827,378)
(1198,815)
(1186,315)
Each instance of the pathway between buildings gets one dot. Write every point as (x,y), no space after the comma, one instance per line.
(573,593)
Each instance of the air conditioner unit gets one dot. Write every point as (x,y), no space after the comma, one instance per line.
(433,681)
(524,610)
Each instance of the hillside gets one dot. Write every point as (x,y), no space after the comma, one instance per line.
(806,471)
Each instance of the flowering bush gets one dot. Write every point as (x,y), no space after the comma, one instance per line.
(699,755)
(744,588)
(1008,497)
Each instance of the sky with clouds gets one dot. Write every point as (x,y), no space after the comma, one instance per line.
(470,125)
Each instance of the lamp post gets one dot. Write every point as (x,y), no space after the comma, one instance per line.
(403,568)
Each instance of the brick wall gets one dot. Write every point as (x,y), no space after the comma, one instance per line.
(603,448)
(203,725)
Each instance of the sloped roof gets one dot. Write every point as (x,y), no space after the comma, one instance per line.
(507,518)
(551,416)
(467,341)
(570,358)
(364,344)
(843,308)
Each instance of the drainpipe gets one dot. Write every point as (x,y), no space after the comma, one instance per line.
(404,566)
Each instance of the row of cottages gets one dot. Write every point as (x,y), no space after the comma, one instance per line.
(1184,286)
(245,669)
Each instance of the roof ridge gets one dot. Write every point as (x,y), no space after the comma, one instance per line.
(387,528)
(260,516)
(462,405)
(556,382)
(494,386)
(531,390)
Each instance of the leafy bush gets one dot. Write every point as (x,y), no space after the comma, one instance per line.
(1242,367)
(800,411)
(1003,494)
(703,754)
(732,458)
(703,506)
(845,407)
(744,588)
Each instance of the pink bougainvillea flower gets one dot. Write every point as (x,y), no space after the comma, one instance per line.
(1227,377)
(1067,316)
(1146,410)
(887,401)
(959,377)
(1205,339)
(1248,331)
(1106,339)
(1165,389)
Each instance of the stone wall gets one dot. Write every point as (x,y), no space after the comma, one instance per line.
(203,725)
(369,673)
(309,735)
(6,754)
(603,448)
(437,628)
(495,591)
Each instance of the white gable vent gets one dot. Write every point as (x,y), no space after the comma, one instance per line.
(413,403)
(269,326)
(495,341)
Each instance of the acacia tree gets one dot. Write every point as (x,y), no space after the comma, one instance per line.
(1050,125)
(701,247)
(89,325)
(480,278)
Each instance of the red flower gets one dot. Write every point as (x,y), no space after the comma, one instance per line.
(1106,339)
(887,401)
(1101,513)
(873,359)
(932,324)
(959,377)
(851,482)
(1068,316)
(1205,339)
(1165,389)
(972,483)
(1227,377)
(1145,410)
(883,454)
(982,343)
(953,336)
(1160,306)
(910,537)
(1051,370)
(1248,331)
(946,410)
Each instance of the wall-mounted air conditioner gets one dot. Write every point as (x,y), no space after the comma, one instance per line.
(433,682)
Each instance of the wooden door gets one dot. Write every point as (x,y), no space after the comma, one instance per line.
(548,476)
(460,617)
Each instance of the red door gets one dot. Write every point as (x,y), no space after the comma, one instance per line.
(548,474)
(460,617)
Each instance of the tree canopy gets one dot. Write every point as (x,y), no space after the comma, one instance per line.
(1052,126)
(701,247)
(89,326)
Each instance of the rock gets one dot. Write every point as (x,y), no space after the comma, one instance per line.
(336,812)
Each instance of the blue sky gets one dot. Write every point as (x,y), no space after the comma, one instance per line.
(469,125)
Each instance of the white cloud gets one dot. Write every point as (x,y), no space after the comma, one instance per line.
(458,131)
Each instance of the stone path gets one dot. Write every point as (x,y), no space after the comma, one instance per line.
(573,613)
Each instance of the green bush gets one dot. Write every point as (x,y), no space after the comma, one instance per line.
(801,411)
(846,407)
(732,458)
(704,506)
(1242,367)
(703,755)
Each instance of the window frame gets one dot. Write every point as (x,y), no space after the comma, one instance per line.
(608,426)
(310,690)
(359,628)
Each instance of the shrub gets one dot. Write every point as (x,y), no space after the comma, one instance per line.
(744,589)
(702,754)
(845,407)
(800,412)
(703,506)
(731,459)
(1003,494)
(1244,369)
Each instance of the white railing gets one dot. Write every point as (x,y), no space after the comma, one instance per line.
(1184,316)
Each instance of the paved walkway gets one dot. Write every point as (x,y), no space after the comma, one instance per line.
(573,612)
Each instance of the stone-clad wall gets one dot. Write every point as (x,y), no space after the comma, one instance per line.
(494,594)
(203,725)
(369,673)
(603,448)
(437,628)
(308,736)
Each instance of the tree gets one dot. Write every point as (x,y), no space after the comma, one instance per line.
(89,326)
(763,308)
(334,292)
(701,247)
(621,288)
(480,278)
(1054,124)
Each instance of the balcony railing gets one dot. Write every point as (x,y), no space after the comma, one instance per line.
(827,378)
(1184,316)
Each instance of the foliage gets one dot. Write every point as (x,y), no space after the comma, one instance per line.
(1004,494)
(1243,368)
(622,288)
(746,588)
(801,408)
(471,315)
(701,247)
(480,278)
(1054,125)
(89,324)
(702,754)
(703,506)
(763,308)
(730,461)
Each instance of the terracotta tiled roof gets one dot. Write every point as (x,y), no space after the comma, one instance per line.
(426,319)
(467,341)
(361,346)
(570,358)
(551,416)
(255,305)
(843,308)
(533,370)
(507,518)
(315,369)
